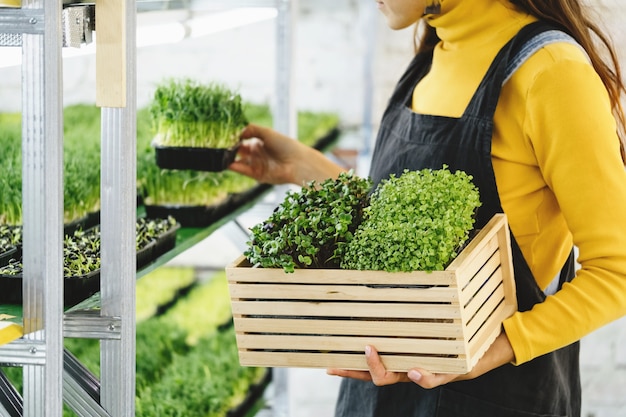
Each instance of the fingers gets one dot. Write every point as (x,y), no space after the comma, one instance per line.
(242,167)
(251,131)
(256,131)
(377,369)
(428,380)
(360,375)
(377,373)
(380,375)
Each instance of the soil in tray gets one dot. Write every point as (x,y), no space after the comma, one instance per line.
(193,158)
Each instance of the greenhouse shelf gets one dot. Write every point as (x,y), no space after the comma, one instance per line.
(186,237)
(37,27)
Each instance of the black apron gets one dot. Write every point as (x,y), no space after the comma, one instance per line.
(546,386)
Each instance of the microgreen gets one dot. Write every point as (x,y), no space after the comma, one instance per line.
(188,113)
(416,222)
(81,249)
(311,227)
(81,157)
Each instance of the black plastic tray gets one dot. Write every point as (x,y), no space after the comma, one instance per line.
(79,288)
(189,216)
(193,158)
(75,289)
(203,216)
(158,247)
(7,255)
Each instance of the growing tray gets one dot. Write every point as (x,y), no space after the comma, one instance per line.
(442,321)
(189,216)
(163,243)
(79,288)
(194,158)
(7,255)
(75,289)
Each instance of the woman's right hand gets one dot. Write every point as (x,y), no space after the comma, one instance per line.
(273,158)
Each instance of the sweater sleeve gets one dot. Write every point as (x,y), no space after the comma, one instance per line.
(571,128)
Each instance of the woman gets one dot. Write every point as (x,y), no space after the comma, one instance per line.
(515,93)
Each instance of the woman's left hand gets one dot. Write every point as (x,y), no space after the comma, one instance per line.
(499,353)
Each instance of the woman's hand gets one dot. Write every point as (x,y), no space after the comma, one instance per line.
(273,158)
(499,353)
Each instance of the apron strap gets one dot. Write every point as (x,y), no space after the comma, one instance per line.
(529,40)
(535,44)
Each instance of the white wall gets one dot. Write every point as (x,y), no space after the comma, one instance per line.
(332,41)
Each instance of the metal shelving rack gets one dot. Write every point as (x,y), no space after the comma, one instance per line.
(52,375)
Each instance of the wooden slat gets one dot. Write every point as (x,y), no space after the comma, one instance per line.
(479,278)
(240,271)
(476,263)
(483,294)
(486,310)
(351,361)
(483,339)
(481,239)
(348,327)
(506,261)
(491,328)
(350,344)
(341,293)
(322,309)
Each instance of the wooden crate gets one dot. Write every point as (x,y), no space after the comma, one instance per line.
(442,321)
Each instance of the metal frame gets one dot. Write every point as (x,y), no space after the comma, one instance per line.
(50,373)
(285,122)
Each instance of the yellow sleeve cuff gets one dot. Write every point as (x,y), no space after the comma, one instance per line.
(519,343)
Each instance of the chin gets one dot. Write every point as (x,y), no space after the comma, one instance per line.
(399,25)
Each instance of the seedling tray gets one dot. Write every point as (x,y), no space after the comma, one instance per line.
(75,288)
(189,216)
(7,255)
(81,287)
(194,158)
(442,321)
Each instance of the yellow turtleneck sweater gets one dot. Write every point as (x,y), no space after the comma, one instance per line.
(556,159)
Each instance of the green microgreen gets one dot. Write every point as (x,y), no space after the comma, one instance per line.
(188,113)
(311,227)
(415,222)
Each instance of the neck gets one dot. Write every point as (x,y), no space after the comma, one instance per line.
(474,22)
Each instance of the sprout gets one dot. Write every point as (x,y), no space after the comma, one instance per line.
(190,114)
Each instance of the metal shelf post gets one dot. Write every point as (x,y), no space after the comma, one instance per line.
(42,206)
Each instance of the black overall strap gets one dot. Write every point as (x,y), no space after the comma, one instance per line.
(530,38)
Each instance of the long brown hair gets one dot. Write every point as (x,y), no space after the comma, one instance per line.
(572,16)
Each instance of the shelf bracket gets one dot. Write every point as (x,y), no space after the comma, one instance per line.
(78,25)
(24,352)
(79,22)
(89,324)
